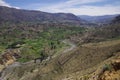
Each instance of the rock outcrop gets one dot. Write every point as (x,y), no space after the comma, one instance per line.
(113,73)
(8,57)
(110,70)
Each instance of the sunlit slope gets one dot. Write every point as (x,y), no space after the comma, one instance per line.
(74,64)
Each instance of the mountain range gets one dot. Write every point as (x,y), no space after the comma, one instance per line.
(105,19)
(17,15)
(52,47)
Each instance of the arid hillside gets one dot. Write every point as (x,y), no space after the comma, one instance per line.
(78,63)
(37,45)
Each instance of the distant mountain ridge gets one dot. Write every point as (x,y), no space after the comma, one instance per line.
(116,19)
(106,19)
(18,15)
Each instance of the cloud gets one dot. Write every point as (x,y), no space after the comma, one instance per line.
(72,3)
(76,2)
(3,3)
(81,7)
(95,10)
(78,7)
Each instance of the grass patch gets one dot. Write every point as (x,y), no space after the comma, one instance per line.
(48,41)
(23,60)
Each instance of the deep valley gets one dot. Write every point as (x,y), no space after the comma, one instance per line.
(36,45)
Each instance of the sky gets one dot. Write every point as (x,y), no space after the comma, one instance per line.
(77,7)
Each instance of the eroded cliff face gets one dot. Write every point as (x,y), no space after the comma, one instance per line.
(8,57)
(109,70)
(113,73)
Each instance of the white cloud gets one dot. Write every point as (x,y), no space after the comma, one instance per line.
(78,7)
(94,10)
(76,2)
(3,3)
(69,3)
(16,7)
(82,8)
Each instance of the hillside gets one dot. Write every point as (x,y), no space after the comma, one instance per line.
(76,64)
(116,19)
(106,19)
(110,30)
(37,45)
(17,16)
(96,34)
(35,28)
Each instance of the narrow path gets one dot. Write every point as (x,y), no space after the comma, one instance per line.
(72,46)
(67,49)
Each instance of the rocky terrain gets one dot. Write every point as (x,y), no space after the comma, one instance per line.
(73,65)
(54,46)
(8,57)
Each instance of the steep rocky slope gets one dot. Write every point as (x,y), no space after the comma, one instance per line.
(108,70)
(76,64)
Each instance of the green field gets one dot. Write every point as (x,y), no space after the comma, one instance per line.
(48,41)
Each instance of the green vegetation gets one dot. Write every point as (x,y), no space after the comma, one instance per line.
(23,60)
(107,67)
(33,41)
(2,48)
